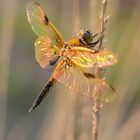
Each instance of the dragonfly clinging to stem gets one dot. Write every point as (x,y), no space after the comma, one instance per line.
(73,57)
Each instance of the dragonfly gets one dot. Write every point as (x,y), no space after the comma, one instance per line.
(73,58)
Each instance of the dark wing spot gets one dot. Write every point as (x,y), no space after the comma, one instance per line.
(89,75)
(113,89)
(46,20)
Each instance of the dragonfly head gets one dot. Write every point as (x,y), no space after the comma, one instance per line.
(85,36)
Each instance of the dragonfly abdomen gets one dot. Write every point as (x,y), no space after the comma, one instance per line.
(43,94)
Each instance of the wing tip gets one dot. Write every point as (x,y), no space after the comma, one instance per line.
(28,7)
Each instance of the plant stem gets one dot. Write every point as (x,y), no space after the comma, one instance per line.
(103,21)
(96,115)
(97,104)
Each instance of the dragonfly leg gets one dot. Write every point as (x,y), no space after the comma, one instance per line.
(91,45)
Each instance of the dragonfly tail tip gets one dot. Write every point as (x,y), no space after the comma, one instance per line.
(32,108)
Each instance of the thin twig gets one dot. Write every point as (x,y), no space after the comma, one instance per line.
(103,21)
(97,104)
(76,17)
(96,115)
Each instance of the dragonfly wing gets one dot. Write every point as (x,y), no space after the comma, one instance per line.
(104,91)
(76,79)
(87,58)
(41,24)
(45,53)
(79,80)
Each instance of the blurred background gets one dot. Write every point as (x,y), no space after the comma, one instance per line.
(66,116)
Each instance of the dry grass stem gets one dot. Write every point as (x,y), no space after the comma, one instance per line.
(97,104)
(104,19)
(6,42)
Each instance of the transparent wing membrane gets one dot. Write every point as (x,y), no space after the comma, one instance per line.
(74,79)
(41,24)
(87,58)
(78,80)
(104,91)
(44,51)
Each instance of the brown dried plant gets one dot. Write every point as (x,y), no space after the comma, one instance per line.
(97,104)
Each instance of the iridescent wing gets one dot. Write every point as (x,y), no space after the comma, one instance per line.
(45,51)
(104,91)
(78,80)
(88,58)
(41,24)
(74,79)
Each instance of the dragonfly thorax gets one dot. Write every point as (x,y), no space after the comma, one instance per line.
(65,52)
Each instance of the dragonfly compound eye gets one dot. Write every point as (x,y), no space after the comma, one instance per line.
(86,36)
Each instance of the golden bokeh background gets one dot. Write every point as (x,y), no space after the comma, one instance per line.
(65,115)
